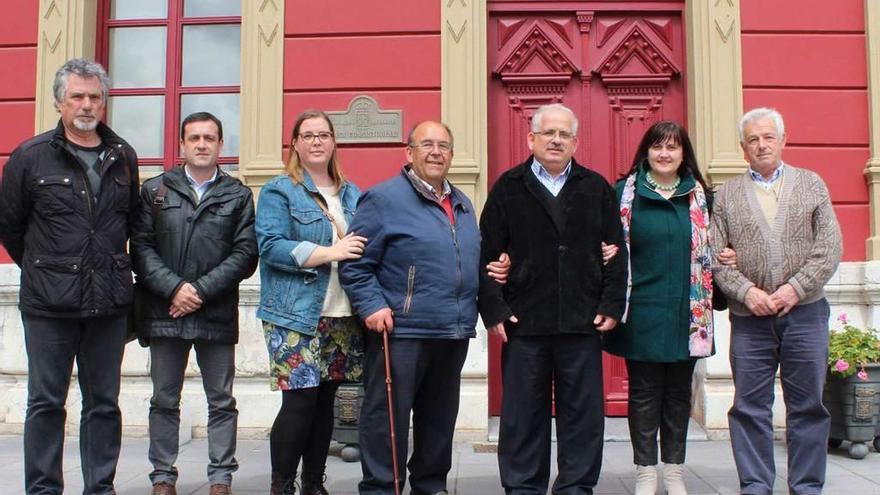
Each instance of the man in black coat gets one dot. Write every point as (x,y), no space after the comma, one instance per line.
(552,216)
(66,203)
(193,243)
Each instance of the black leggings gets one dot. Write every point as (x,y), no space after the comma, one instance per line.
(302,429)
(659,399)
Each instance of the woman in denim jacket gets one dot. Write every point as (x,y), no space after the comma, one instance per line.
(314,341)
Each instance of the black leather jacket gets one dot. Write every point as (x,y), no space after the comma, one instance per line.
(210,244)
(70,247)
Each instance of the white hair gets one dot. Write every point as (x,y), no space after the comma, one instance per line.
(760,113)
(539,114)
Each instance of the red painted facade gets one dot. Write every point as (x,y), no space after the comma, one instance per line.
(807,58)
(343,49)
(18,53)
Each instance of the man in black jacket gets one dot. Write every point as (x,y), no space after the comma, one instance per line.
(552,215)
(66,203)
(193,243)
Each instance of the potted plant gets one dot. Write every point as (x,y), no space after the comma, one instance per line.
(852,388)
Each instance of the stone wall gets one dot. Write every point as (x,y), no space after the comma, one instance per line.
(854,289)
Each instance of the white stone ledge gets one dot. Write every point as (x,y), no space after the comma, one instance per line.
(854,289)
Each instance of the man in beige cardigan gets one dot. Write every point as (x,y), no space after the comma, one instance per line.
(780,221)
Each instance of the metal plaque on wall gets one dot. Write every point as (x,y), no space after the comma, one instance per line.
(364,122)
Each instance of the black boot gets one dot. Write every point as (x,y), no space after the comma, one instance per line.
(283,484)
(313,483)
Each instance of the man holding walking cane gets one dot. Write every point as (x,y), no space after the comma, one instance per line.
(415,286)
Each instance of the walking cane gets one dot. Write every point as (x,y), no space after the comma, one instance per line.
(390,396)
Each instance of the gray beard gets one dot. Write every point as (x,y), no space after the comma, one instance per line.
(85,125)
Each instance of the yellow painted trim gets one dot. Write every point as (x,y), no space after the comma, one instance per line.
(714,75)
(463,92)
(872,167)
(262,91)
(66,30)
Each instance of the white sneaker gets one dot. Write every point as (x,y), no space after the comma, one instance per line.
(646,480)
(673,479)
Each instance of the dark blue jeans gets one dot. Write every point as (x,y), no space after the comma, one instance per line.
(52,344)
(797,344)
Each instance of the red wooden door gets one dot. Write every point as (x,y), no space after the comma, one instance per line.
(618,65)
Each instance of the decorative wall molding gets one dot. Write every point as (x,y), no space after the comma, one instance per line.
(66,30)
(507,28)
(463,90)
(262,91)
(637,45)
(636,74)
(663,28)
(715,90)
(536,51)
(725,16)
(564,27)
(585,20)
(872,167)
(606,27)
(527,88)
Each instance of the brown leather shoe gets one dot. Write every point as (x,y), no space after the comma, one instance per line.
(220,490)
(163,489)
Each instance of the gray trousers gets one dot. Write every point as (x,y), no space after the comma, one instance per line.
(798,345)
(168,358)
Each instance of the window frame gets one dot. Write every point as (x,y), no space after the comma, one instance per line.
(173,91)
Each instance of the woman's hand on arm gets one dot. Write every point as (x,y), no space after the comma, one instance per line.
(350,247)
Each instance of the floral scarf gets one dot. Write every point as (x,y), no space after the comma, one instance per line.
(700,331)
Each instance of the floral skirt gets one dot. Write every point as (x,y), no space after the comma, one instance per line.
(297,360)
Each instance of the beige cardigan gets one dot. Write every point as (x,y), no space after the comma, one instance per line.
(803,246)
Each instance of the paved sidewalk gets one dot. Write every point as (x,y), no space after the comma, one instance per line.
(710,470)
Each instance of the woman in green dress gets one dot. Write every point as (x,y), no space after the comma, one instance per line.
(664,208)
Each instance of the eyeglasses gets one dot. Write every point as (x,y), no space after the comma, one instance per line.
(550,134)
(321,136)
(428,146)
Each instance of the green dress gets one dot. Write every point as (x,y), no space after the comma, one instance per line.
(659,316)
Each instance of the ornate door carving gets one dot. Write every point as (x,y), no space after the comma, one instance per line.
(620,71)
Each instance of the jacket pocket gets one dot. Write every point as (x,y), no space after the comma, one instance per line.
(54,283)
(53,195)
(121,280)
(410,289)
(122,192)
(307,225)
(170,216)
(221,220)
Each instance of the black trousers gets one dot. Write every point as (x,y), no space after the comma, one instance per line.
(659,399)
(53,344)
(426,376)
(530,368)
